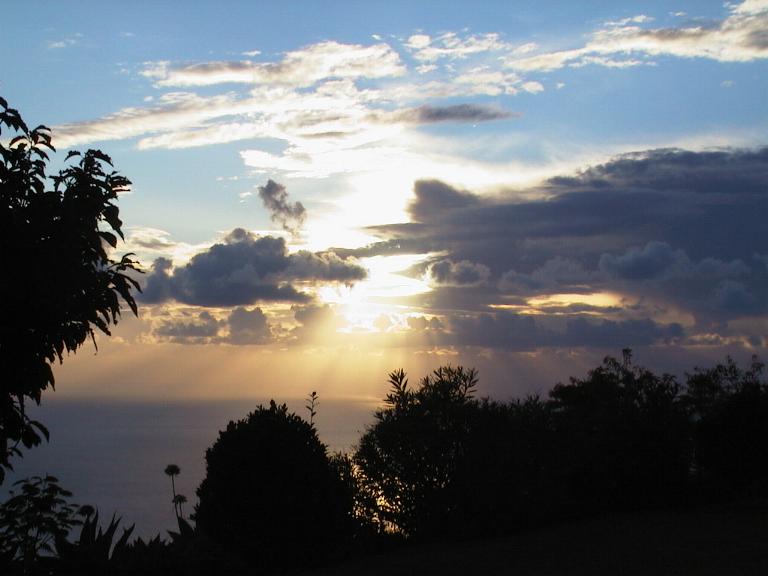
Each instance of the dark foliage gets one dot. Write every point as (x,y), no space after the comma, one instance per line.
(36,515)
(622,439)
(95,552)
(407,460)
(58,283)
(271,498)
(729,409)
(438,463)
(503,479)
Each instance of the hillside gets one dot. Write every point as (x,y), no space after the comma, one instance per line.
(717,541)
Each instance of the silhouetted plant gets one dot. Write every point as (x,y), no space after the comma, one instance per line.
(312,402)
(34,516)
(502,479)
(178,502)
(729,409)
(95,551)
(172,470)
(622,438)
(406,461)
(64,284)
(271,498)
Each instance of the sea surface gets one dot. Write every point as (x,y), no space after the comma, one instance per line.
(112,454)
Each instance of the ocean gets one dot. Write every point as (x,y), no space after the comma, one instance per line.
(112,454)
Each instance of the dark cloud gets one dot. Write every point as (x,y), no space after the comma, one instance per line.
(462,273)
(421,323)
(201,328)
(675,229)
(242,326)
(457,113)
(435,199)
(712,290)
(638,264)
(275,198)
(524,332)
(561,274)
(708,204)
(244,269)
(248,326)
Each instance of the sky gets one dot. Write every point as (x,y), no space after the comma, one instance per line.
(324,192)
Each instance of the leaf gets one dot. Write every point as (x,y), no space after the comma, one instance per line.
(109,238)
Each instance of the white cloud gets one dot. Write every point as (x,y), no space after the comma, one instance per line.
(173,110)
(639,19)
(302,67)
(65,42)
(532,87)
(425,68)
(418,42)
(450,46)
(738,38)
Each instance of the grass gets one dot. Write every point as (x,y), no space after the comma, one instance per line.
(714,541)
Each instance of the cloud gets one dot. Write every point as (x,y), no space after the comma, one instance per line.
(641,263)
(298,68)
(242,326)
(525,332)
(72,40)
(452,47)
(455,113)
(248,326)
(200,329)
(275,198)
(422,323)
(317,323)
(710,288)
(172,110)
(533,87)
(433,197)
(244,269)
(670,233)
(740,37)
(330,93)
(150,239)
(462,273)
(556,274)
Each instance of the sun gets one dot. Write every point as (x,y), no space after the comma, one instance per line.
(363,304)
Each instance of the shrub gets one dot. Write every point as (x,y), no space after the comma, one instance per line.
(271,498)
(407,460)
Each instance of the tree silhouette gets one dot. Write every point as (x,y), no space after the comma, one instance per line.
(408,458)
(33,518)
(622,438)
(58,284)
(729,409)
(271,497)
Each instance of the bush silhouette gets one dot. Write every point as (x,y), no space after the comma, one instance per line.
(622,438)
(271,498)
(36,514)
(729,409)
(502,481)
(63,285)
(407,460)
